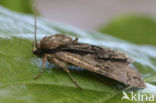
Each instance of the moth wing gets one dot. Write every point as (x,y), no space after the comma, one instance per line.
(117,70)
(101,53)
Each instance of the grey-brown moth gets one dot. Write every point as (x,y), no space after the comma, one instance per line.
(60,48)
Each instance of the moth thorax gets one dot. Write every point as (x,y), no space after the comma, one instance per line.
(54,41)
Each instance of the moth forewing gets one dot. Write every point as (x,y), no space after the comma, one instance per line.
(120,71)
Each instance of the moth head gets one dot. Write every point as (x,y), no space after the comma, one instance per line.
(54,41)
(37,50)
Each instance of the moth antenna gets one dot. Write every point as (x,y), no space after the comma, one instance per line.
(35,27)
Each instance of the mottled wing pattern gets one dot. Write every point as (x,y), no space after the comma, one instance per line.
(115,69)
(98,52)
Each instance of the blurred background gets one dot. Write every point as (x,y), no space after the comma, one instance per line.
(132,20)
(90,14)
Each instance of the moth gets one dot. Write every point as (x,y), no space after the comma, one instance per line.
(60,49)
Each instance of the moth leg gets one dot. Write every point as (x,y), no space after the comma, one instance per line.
(62,65)
(43,65)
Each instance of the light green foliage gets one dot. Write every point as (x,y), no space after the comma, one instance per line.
(135,28)
(24,6)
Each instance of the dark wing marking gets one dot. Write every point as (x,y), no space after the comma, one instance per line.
(98,52)
(117,70)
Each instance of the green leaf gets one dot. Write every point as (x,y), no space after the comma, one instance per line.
(139,29)
(18,65)
(24,6)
